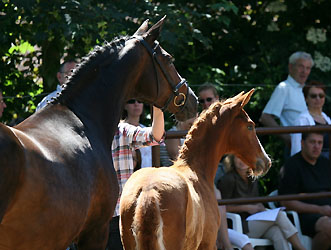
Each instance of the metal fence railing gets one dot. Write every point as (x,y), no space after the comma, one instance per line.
(263,131)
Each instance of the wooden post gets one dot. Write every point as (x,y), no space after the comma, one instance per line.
(156,156)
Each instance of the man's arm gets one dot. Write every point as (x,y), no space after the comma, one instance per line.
(268,120)
(302,207)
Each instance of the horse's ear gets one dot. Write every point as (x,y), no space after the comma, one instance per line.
(238,95)
(247,97)
(142,29)
(240,100)
(153,33)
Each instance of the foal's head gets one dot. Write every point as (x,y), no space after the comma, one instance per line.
(227,127)
(243,141)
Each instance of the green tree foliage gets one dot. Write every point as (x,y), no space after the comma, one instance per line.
(235,44)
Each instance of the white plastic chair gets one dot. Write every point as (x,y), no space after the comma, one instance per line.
(237,226)
(293,215)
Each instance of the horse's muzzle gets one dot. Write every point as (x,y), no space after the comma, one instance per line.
(262,167)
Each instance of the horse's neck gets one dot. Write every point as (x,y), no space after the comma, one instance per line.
(101,112)
(204,154)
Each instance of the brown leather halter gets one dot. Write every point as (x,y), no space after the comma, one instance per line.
(175,87)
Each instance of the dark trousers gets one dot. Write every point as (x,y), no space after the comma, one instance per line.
(114,239)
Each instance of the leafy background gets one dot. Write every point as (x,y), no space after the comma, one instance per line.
(236,45)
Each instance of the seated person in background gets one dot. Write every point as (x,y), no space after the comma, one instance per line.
(314,93)
(226,237)
(237,183)
(309,172)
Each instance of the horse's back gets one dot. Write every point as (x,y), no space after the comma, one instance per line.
(156,203)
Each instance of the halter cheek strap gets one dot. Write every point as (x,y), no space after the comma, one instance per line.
(175,88)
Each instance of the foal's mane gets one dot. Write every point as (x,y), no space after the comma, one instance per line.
(90,64)
(201,123)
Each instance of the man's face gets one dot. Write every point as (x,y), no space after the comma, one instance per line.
(207,97)
(300,70)
(66,72)
(2,104)
(312,146)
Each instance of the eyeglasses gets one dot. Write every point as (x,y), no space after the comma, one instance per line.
(132,101)
(313,96)
(208,99)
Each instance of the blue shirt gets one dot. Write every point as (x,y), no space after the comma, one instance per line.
(287,102)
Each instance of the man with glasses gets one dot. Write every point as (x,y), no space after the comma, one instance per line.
(2,104)
(287,101)
(62,76)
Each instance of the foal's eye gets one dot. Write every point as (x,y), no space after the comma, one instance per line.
(250,127)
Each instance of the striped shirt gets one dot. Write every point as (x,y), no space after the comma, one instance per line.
(128,138)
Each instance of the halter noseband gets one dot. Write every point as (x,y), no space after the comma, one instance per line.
(175,87)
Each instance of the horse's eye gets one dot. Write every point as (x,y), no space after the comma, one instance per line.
(250,127)
(170,58)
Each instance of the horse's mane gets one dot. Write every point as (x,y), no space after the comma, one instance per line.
(201,123)
(99,56)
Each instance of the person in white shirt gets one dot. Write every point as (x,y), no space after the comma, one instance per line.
(287,101)
(62,76)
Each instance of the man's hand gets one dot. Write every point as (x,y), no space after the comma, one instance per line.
(255,208)
(325,210)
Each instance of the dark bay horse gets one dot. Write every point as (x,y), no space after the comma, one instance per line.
(175,208)
(57,181)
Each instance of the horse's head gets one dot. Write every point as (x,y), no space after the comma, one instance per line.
(160,83)
(246,146)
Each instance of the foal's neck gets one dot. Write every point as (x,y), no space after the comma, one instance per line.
(203,155)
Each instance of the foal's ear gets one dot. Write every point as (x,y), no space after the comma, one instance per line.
(240,100)
(153,33)
(142,29)
(246,97)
